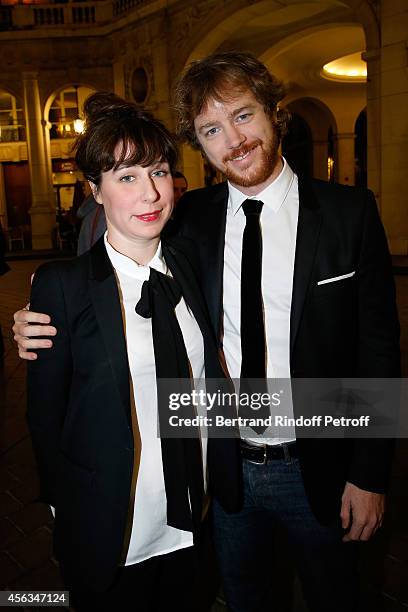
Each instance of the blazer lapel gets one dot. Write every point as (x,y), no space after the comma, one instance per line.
(308,229)
(214,256)
(181,270)
(106,301)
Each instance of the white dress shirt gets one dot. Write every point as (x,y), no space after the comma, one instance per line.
(150,534)
(278,221)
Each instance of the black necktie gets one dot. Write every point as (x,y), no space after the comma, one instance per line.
(182,462)
(253,365)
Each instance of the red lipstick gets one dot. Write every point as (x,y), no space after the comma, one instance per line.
(149,217)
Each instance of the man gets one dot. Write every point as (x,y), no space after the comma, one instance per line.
(328,494)
(93,216)
(179,185)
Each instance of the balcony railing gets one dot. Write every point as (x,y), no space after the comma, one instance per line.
(48,16)
(122,6)
(53,15)
(6,20)
(12,133)
(30,16)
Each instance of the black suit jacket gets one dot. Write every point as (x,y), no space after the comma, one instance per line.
(344,329)
(79,410)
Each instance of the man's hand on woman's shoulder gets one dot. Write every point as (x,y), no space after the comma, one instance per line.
(27,326)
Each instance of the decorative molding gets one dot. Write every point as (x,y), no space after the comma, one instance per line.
(190,18)
(141,61)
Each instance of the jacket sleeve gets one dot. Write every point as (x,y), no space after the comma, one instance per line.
(379,331)
(49,380)
(379,352)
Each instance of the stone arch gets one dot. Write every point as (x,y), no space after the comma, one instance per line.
(13,91)
(320,120)
(206,30)
(297,145)
(275,54)
(211,30)
(51,95)
(313,110)
(365,14)
(214,31)
(63,177)
(12,121)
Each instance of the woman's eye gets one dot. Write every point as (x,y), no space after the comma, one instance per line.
(127,179)
(159,173)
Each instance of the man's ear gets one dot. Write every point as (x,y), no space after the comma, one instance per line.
(95,192)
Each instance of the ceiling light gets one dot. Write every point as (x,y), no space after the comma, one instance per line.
(346,68)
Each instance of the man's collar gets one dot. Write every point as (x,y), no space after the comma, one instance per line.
(273,196)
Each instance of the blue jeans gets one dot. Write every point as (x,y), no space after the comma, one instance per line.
(274,494)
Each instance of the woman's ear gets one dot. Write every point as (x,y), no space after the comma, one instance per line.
(95,192)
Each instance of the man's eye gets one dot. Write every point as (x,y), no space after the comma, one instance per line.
(211,131)
(128,178)
(159,173)
(243,117)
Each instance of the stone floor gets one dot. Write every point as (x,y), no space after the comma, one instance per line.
(26,561)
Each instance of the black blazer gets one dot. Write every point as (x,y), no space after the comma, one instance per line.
(79,410)
(344,329)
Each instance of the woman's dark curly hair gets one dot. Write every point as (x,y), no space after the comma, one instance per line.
(118,133)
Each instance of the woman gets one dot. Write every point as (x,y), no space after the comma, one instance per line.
(128,505)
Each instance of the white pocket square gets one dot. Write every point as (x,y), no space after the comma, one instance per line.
(336,278)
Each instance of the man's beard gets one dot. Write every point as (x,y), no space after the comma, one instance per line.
(254,174)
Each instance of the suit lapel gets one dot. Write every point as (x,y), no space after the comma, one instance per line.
(106,301)
(308,229)
(214,256)
(181,270)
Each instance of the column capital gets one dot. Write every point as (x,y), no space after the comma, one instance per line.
(372,54)
(31,75)
(41,207)
(345,135)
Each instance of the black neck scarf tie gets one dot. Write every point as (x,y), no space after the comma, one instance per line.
(182,461)
(253,348)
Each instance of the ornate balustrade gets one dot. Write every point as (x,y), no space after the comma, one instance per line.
(96,12)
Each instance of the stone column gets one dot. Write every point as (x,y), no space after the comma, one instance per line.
(373,123)
(320,149)
(42,210)
(394,123)
(345,158)
(3,201)
(47,141)
(119,78)
(160,57)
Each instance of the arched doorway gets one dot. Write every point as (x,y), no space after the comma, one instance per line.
(65,111)
(15,190)
(12,126)
(297,146)
(64,115)
(316,150)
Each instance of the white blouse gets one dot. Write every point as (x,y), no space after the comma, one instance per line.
(150,535)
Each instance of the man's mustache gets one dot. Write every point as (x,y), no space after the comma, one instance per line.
(242,150)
